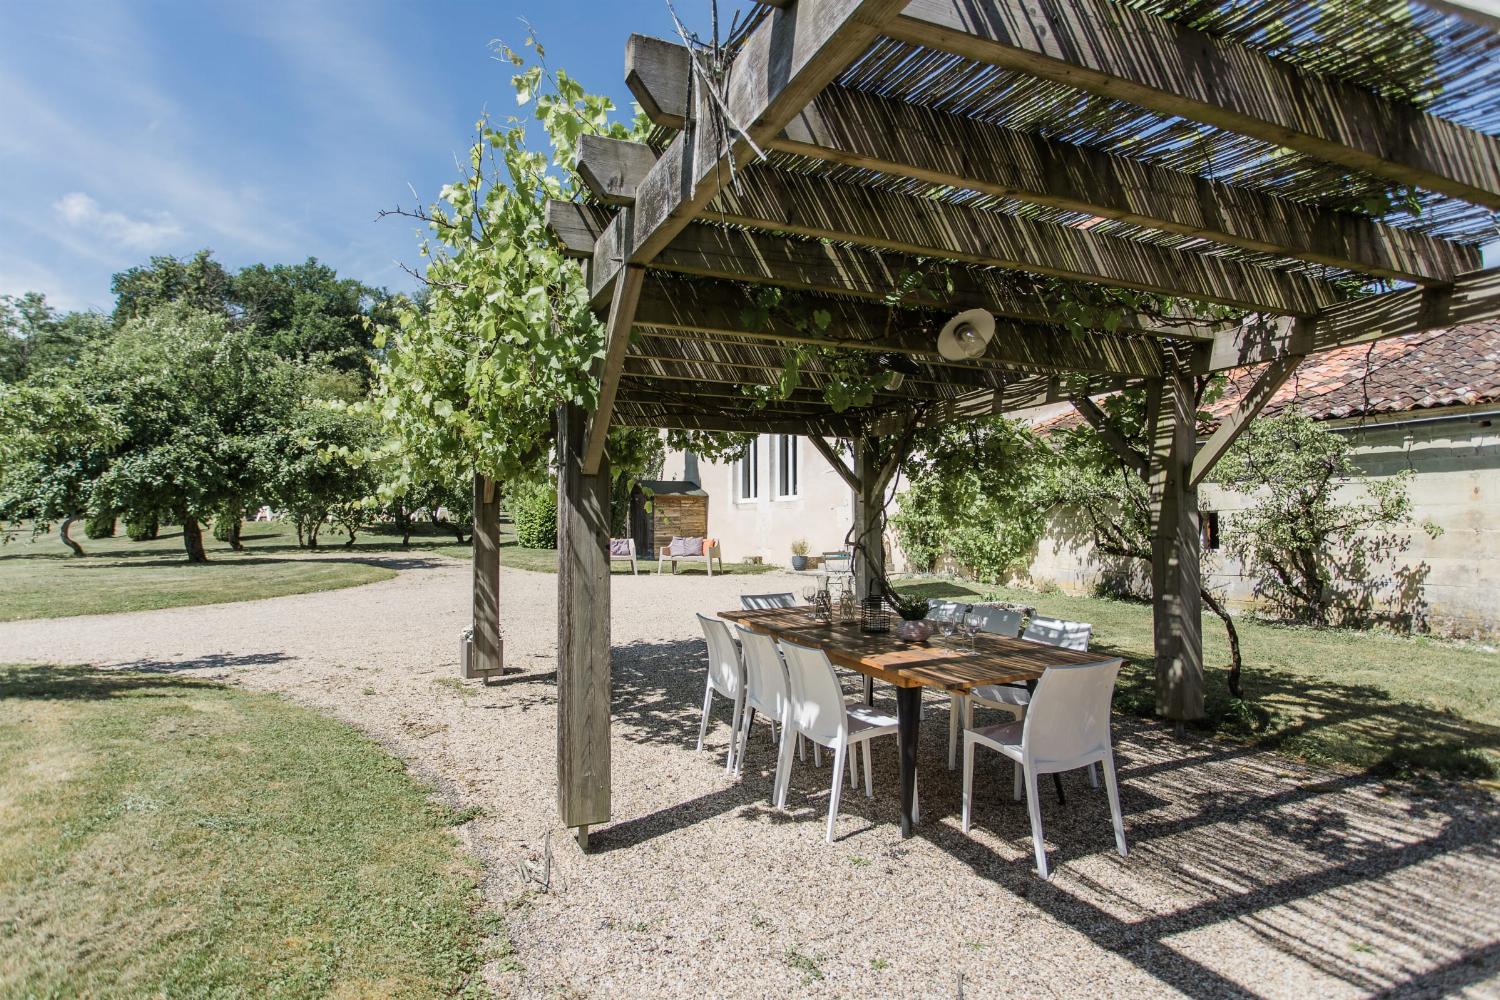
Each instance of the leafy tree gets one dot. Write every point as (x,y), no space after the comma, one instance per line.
(199,283)
(303,311)
(316,460)
(196,401)
(55,439)
(34,338)
(1315,528)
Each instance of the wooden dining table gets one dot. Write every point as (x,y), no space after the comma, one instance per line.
(951,664)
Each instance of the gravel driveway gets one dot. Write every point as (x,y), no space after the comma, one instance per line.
(1248,875)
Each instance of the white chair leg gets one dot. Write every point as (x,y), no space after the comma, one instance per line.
(734,727)
(1034,807)
(838,787)
(968,778)
(1017,793)
(1112,789)
(801,748)
(708,704)
(954,708)
(783,765)
(853,755)
(1093,777)
(817,755)
(739,757)
(869,782)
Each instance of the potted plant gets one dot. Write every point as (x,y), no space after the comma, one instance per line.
(799,554)
(914,625)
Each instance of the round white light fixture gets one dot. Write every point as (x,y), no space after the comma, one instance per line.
(967,335)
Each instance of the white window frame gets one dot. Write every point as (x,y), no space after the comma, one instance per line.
(749,462)
(788,444)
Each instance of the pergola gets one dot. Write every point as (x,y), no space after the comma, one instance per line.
(1029,152)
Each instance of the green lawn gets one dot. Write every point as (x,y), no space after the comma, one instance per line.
(1370,700)
(166,837)
(40,579)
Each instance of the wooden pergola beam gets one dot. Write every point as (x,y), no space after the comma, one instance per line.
(692,307)
(613,168)
(617,344)
(1473,298)
(1111,50)
(859,129)
(1247,409)
(1098,420)
(835,461)
(651,414)
(723,372)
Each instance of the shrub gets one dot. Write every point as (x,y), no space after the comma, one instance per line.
(100,525)
(141,527)
(533,508)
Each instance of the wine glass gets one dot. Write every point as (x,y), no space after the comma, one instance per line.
(972,625)
(948,622)
(810,594)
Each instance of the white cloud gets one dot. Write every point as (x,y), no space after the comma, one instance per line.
(82,212)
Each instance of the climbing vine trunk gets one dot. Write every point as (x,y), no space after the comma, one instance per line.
(192,538)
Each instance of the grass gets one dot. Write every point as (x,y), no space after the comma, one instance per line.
(1370,700)
(167,837)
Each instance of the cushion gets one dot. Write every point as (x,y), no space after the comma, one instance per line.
(685,547)
(619,546)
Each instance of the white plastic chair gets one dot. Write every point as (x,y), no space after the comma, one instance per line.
(766,694)
(820,713)
(939,609)
(726,678)
(1066,727)
(760,602)
(1012,698)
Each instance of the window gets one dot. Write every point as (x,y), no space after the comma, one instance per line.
(788,467)
(1210,523)
(747,473)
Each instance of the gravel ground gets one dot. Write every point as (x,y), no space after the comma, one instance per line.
(1249,875)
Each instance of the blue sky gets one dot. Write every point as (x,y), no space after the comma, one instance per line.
(268,130)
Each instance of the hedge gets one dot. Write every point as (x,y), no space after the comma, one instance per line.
(534,511)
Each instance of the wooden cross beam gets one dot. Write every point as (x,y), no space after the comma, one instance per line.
(859,129)
(1233,425)
(790,56)
(783,202)
(1100,422)
(748,422)
(1472,298)
(835,460)
(1111,50)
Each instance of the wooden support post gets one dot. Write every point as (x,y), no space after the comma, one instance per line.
(583,681)
(869,558)
(485,658)
(1177,601)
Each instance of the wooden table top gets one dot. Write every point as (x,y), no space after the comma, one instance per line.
(940,662)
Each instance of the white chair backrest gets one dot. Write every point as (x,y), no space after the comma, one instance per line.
(1068,716)
(724,671)
(1056,632)
(756,602)
(817,698)
(765,677)
(938,608)
(999,621)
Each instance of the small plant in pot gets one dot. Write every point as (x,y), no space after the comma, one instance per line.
(799,554)
(914,625)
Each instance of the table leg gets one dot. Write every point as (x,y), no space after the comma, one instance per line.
(908,715)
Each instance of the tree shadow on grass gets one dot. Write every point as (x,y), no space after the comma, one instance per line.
(52,683)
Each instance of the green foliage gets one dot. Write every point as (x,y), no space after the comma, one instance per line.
(100,525)
(910,608)
(306,311)
(980,493)
(533,508)
(35,338)
(320,472)
(142,527)
(199,283)
(1320,537)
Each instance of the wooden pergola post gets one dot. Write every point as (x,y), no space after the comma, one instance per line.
(583,681)
(869,563)
(1176,596)
(486,658)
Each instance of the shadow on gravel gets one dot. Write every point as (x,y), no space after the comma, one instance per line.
(211,661)
(1326,868)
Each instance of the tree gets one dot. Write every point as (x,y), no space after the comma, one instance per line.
(319,472)
(196,402)
(199,283)
(55,439)
(34,338)
(305,311)
(1315,529)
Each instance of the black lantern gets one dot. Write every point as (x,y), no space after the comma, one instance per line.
(873,615)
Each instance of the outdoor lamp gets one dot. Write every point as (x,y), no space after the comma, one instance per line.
(967,335)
